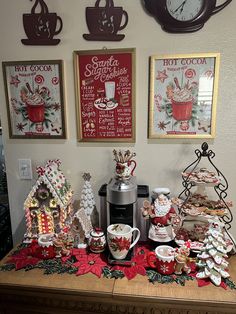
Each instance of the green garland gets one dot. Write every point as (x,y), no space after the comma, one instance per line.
(231,284)
(154,277)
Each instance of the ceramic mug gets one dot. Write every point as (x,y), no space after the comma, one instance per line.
(125,169)
(119,239)
(44,249)
(163,259)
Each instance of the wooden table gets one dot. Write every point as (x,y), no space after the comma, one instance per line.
(33,293)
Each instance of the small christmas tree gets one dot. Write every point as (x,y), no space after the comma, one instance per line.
(87,200)
(212,261)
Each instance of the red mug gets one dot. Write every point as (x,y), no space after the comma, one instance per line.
(125,169)
(163,259)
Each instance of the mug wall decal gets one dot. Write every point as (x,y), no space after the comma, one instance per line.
(41,27)
(104,22)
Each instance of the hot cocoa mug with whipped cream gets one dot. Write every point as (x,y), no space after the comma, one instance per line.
(35,108)
(182,104)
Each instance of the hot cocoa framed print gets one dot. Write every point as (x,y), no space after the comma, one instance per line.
(183,95)
(35,99)
(105,90)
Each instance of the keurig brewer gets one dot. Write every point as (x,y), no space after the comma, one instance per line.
(121,198)
(122,190)
(122,201)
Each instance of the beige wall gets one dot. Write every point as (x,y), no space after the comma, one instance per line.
(160,162)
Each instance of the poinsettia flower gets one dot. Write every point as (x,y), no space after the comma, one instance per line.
(137,267)
(143,250)
(90,263)
(120,243)
(23,258)
(206,281)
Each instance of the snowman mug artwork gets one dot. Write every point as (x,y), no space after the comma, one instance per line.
(119,239)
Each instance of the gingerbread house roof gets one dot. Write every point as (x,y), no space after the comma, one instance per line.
(54,179)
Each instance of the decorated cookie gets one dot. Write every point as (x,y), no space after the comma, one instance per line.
(215,277)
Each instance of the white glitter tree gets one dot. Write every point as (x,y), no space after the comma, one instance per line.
(212,261)
(87,201)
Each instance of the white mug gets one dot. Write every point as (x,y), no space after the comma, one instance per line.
(119,238)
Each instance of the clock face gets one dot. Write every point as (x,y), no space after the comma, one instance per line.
(184,10)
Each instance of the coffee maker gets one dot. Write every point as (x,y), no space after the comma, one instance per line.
(122,201)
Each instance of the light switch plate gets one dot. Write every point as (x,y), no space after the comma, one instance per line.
(25,169)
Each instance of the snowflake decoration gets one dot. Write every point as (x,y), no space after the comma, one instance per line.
(164,269)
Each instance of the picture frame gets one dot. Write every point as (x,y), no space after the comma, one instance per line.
(105,95)
(183,95)
(35,99)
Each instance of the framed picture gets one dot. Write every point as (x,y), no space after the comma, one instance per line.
(183,95)
(35,99)
(105,91)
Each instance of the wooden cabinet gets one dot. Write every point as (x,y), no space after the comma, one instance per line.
(33,292)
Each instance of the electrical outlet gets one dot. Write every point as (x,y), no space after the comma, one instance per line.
(25,169)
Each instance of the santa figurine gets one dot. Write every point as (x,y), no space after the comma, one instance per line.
(162,215)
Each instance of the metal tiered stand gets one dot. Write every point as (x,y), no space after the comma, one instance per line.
(220,187)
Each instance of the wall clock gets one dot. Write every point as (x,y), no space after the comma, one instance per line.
(183,16)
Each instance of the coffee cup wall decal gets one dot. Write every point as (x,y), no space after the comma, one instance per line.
(41,26)
(104,22)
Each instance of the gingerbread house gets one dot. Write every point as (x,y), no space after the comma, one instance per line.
(81,227)
(48,207)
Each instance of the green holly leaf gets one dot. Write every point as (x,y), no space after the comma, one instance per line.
(231,284)
(7,267)
(117,274)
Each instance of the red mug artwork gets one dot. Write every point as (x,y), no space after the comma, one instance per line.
(163,259)
(104,22)
(182,102)
(35,105)
(40,28)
